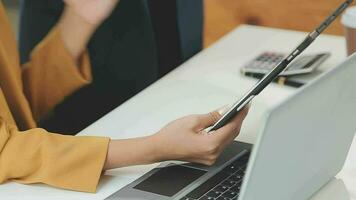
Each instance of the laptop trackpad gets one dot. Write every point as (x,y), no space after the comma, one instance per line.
(169,180)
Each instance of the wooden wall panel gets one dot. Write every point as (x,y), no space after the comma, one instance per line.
(221,16)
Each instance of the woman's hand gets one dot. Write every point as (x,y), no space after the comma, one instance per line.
(183,139)
(93,11)
(186,140)
(79,21)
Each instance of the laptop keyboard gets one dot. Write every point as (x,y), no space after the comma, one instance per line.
(225,185)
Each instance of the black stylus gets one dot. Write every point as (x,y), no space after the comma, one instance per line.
(266,80)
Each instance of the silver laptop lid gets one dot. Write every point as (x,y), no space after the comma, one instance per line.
(305,140)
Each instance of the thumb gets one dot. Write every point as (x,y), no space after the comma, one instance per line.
(211,118)
(207,120)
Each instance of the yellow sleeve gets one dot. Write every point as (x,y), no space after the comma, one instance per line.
(36,156)
(52,74)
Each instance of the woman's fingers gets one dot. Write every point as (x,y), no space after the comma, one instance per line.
(207,120)
(232,129)
(211,118)
(219,139)
(180,139)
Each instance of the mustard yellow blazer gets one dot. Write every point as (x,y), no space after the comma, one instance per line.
(28,93)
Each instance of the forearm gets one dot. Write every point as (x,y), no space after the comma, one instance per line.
(75,31)
(138,151)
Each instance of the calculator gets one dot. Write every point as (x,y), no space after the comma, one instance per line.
(265,62)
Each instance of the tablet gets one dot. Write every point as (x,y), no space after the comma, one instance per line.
(281,67)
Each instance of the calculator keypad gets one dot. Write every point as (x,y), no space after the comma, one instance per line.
(265,62)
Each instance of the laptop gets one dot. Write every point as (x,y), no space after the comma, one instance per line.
(303,144)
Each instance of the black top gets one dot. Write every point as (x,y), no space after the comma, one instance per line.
(165,26)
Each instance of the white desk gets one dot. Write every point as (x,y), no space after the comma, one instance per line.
(206,82)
